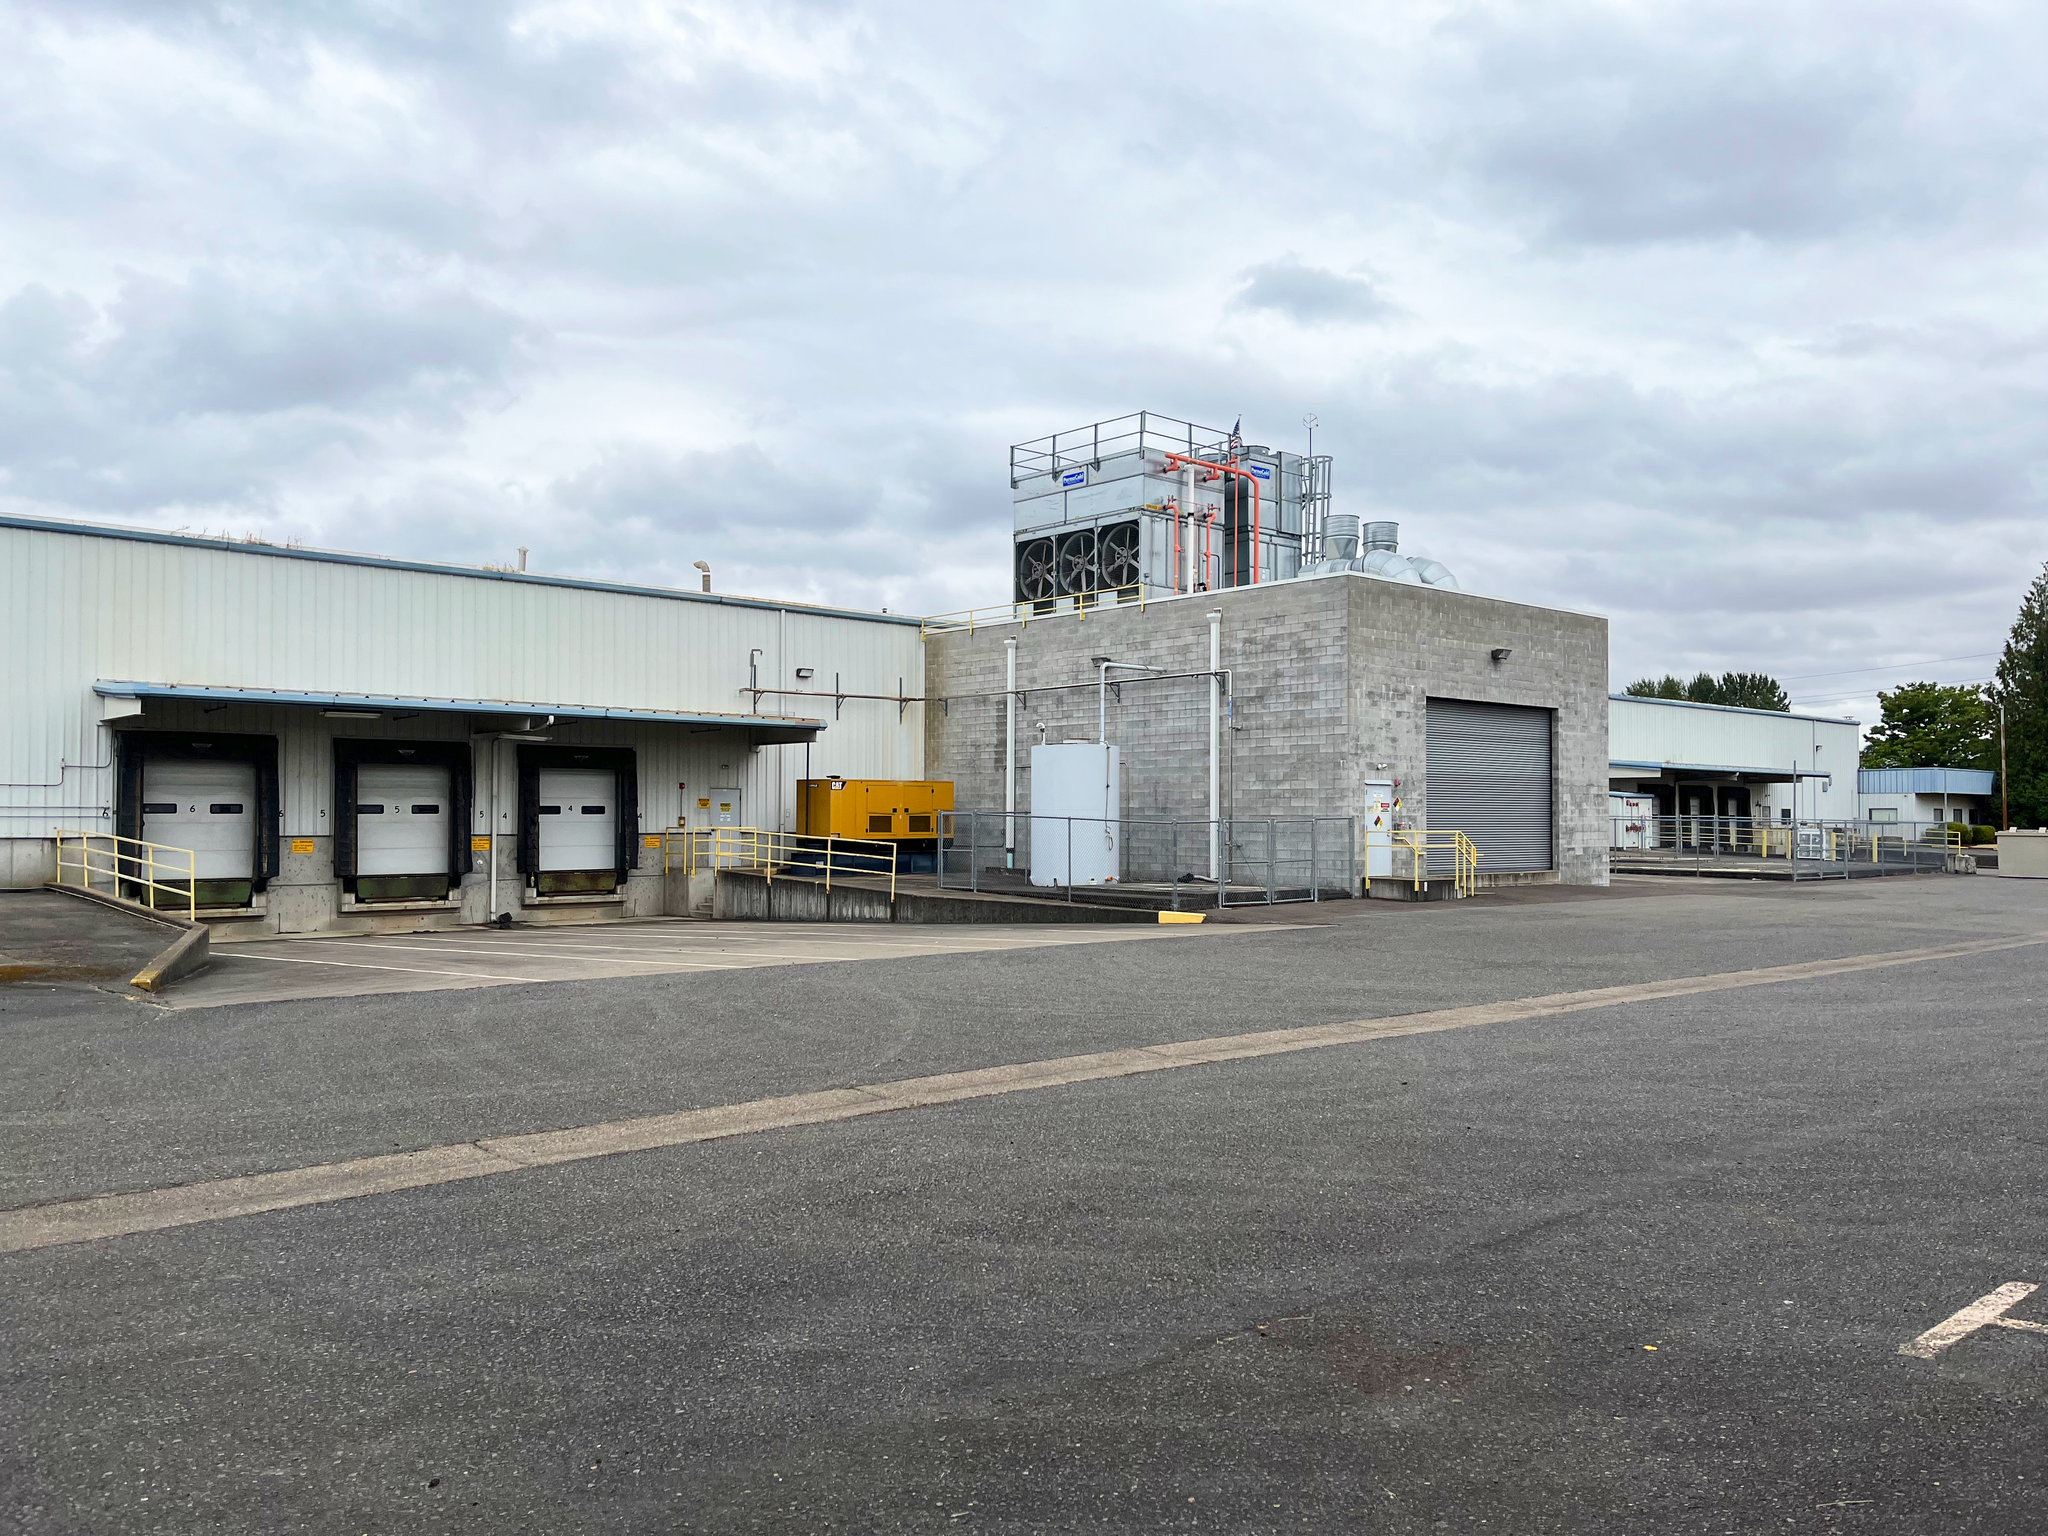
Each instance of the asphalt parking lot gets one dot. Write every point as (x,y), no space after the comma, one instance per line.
(1595,1215)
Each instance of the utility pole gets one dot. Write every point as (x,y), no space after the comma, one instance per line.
(2004,789)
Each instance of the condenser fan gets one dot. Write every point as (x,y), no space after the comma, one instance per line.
(1077,562)
(1036,579)
(1119,556)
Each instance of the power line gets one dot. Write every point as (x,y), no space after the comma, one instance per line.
(1898,667)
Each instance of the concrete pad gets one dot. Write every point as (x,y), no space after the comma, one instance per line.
(335,966)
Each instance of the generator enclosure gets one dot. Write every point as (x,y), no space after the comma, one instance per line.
(901,810)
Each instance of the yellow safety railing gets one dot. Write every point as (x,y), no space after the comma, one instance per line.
(1421,844)
(120,863)
(1078,604)
(701,849)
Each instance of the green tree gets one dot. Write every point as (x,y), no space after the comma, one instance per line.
(1745,690)
(1933,725)
(1665,687)
(1752,690)
(2022,688)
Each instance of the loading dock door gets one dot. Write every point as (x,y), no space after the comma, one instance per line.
(402,812)
(209,808)
(1490,778)
(579,831)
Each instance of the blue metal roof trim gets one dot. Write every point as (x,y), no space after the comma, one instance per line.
(1925,781)
(1735,709)
(231,695)
(431,568)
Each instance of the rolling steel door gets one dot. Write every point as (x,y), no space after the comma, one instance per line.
(1490,778)
(208,808)
(579,830)
(402,831)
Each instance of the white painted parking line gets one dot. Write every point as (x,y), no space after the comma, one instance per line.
(1984,1312)
(359,965)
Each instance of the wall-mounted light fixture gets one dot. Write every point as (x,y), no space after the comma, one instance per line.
(1501,653)
(805,674)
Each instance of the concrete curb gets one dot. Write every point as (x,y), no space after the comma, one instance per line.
(188,952)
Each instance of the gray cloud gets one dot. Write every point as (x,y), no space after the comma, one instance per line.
(1310,295)
(1722,320)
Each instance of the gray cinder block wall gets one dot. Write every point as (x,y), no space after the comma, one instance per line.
(1330,678)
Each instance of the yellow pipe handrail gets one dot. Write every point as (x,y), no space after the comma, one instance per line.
(1464,856)
(129,861)
(751,848)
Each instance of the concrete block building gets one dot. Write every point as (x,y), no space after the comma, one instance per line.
(1467,712)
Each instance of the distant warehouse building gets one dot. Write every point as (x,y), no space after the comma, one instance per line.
(1714,760)
(1928,794)
(348,742)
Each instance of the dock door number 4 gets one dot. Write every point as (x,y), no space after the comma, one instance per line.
(1984,1312)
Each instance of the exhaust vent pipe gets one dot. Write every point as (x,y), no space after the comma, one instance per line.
(1382,536)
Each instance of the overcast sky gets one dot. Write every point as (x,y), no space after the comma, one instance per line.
(1725,320)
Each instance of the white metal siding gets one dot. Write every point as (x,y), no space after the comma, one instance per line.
(1661,731)
(76,608)
(1490,778)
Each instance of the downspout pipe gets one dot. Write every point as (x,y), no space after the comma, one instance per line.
(1010,753)
(1215,724)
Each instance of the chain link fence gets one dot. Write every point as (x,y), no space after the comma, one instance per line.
(1262,860)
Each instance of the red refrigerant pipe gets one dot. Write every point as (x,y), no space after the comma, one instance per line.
(1175,460)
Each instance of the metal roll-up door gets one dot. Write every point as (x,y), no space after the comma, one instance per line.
(207,809)
(401,831)
(579,825)
(1490,778)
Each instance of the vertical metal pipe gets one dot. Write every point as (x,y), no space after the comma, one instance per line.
(491,833)
(1187,517)
(1010,753)
(1215,725)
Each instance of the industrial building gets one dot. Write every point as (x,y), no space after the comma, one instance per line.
(1967,795)
(348,742)
(1169,576)
(355,743)
(1670,757)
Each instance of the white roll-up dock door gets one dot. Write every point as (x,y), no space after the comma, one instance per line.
(402,831)
(1490,777)
(209,809)
(579,829)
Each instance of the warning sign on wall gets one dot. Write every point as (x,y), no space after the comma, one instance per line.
(302,845)
(479,845)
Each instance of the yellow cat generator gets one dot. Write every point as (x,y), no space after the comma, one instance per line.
(902,811)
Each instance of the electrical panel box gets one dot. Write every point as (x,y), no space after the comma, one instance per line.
(1076,814)
(903,810)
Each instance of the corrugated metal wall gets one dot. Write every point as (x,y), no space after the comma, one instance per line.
(75,608)
(1660,731)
